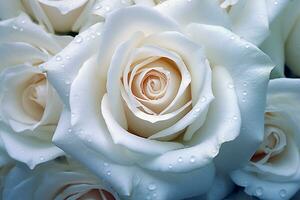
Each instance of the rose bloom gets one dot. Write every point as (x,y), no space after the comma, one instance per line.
(153,99)
(63,16)
(273,171)
(283,43)
(30,107)
(55,180)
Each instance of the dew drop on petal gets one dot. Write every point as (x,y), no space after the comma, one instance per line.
(108,173)
(230,85)
(203,99)
(180,159)
(151,187)
(58,58)
(78,39)
(259,191)
(15,27)
(192,159)
(282,193)
(67,82)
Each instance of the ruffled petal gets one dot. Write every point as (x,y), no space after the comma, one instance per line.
(250,69)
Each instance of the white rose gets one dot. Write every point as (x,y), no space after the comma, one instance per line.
(55,180)
(58,16)
(283,43)
(250,19)
(152,100)
(30,107)
(274,170)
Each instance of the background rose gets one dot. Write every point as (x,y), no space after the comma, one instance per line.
(103,135)
(283,43)
(273,172)
(56,16)
(30,107)
(250,19)
(55,180)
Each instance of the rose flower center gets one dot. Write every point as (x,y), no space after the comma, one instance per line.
(274,143)
(34,97)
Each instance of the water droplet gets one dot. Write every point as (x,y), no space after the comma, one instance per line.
(151,187)
(282,193)
(78,39)
(154,195)
(245,93)
(245,84)
(243,99)
(232,37)
(72,114)
(214,151)
(69,130)
(197,110)
(42,158)
(98,33)
(68,57)
(62,65)
(93,35)
(87,38)
(275,2)
(15,27)
(259,191)
(58,58)
(170,166)
(230,85)
(202,99)
(235,117)
(189,0)
(192,159)
(107,8)
(180,159)
(89,139)
(105,164)
(125,2)
(108,173)
(98,6)
(67,82)
(247,46)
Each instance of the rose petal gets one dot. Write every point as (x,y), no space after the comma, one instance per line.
(249,68)
(134,182)
(86,118)
(133,142)
(255,186)
(187,11)
(29,150)
(250,20)
(62,69)
(22,52)
(21,29)
(9,9)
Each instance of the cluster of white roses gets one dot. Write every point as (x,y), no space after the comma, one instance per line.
(149,99)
